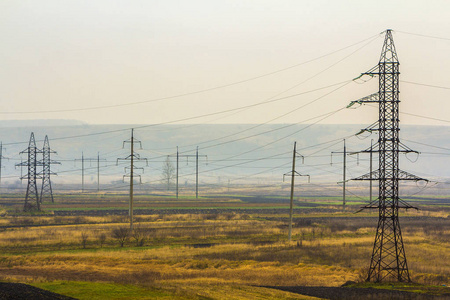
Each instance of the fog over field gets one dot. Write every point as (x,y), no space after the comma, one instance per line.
(236,154)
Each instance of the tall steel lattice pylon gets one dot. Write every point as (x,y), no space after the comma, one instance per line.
(388,262)
(32,202)
(46,189)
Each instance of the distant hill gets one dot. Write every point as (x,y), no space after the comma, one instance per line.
(39,123)
(238,152)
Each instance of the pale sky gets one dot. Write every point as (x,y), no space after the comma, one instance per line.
(71,55)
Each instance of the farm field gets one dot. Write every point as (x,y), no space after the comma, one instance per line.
(235,245)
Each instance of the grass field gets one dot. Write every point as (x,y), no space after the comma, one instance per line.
(210,247)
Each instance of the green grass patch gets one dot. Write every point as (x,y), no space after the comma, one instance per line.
(99,290)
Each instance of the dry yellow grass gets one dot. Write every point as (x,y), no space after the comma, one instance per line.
(240,254)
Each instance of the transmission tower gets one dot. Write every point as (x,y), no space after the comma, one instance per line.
(46,190)
(132,157)
(388,262)
(32,197)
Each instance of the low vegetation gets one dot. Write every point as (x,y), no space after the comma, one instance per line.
(237,252)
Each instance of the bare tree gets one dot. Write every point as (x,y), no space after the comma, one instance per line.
(83,238)
(168,173)
(121,235)
(102,239)
(139,235)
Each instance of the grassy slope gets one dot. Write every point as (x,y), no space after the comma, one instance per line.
(98,290)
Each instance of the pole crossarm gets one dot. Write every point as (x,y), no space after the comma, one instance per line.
(296,174)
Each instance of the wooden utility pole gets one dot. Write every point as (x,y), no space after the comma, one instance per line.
(293,173)
(291,203)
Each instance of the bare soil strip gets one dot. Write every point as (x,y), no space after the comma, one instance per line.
(27,292)
(339,293)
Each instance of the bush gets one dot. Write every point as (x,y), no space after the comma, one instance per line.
(121,235)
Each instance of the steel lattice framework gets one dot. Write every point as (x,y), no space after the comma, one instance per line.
(46,189)
(388,260)
(32,202)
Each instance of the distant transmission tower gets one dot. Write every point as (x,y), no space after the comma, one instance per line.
(46,190)
(388,262)
(32,197)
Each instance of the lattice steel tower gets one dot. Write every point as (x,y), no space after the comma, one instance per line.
(32,197)
(388,262)
(46,189)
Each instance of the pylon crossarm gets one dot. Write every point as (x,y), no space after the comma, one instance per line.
(374,175)
(406,149)
(370,129)
(368,150)
(372,73)
(367,99)
(403,175)
(406,205)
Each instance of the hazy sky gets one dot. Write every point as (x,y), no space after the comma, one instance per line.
(71,55)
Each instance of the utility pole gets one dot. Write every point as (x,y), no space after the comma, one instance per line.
(196,172)
(344,175)
(1,158)
(46,189)
(93,159)
(370,171)
(98,171)
(196,168)
(388,261)
(344,171)
(293,173)
(82,170)
(132,157)
(32,202)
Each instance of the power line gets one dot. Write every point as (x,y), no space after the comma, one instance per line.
(414,115)
(195,92)
(428,145)
(424,35)
(190,118)
(427,85)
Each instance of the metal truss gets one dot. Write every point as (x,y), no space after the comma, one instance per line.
(32,202)
(46,189)
(388,261)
